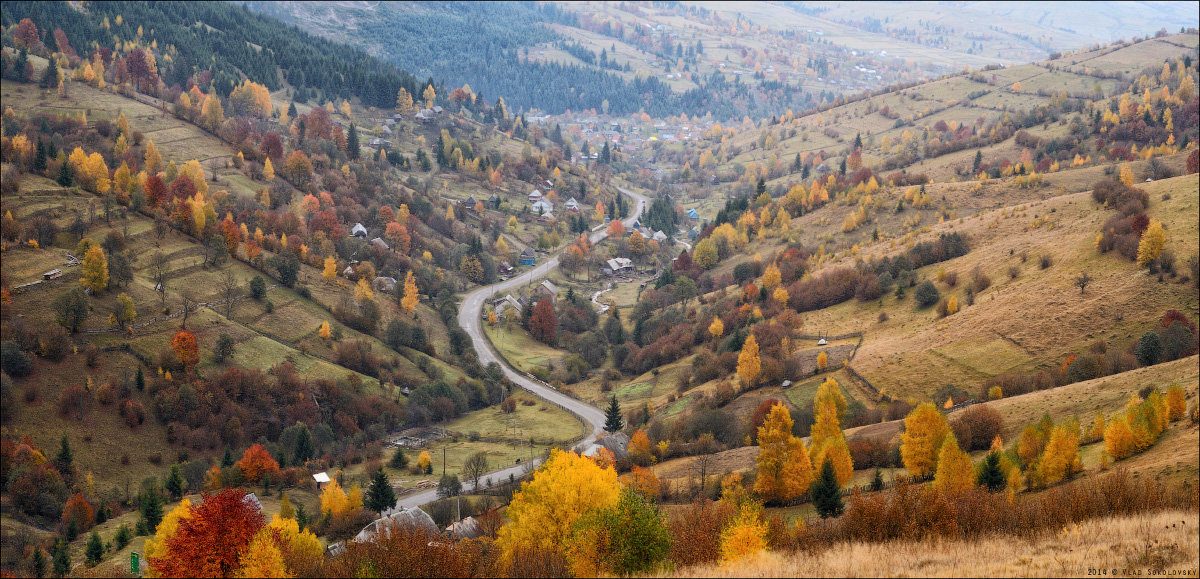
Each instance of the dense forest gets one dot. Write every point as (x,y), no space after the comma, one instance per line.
(487,45)
(233,39)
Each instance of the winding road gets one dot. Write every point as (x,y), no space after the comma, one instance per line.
(470,315)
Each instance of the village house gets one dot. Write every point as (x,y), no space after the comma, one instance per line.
(528,256)
(358,231)
(546,289)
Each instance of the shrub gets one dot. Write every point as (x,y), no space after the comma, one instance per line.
(1045,261)
(926,294)
(14,361)
(697,532)
(977,426)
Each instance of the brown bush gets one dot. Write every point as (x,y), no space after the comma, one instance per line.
(870,453)
(977,426)
(919,511)
(697,532)
(74,402)
(418,553)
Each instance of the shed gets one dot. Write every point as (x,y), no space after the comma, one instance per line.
(693,214)
(380,243)
(358,231)
(528,256)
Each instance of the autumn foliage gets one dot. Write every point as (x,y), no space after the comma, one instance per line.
(186,349)
(256,463)
(212,541)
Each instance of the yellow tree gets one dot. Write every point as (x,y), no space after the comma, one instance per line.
(429,95)
(830,390)
(268,170)
(297,544)
(409,301)
(1126,175)
(94,271)
(212,114)
(745,535)
(780,296)
(1118,438)
(565,488)
(167,527)
(828,441)
(262,557)
(955,472)
(334,500)
(324,331)
(749,365)
(705,254)
(424,461)
(404,103)
(1061,458)
(822,361)
(330,270)
(925,429)
(716,328)
(771,277)
(1154,239)
(784,468)
(1176,405)
(362,291)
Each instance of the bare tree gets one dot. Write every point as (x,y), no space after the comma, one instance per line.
(1082,281)
(229,290)
(189,303)
(475,468)
(158,268)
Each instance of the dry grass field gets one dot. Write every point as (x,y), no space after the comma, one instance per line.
(1164,543)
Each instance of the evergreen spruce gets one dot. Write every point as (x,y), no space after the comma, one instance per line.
(612,417)
(398,461)
(352,142)
(175,484)
(991,475)
(304,449)
(380,496)
(227,460)
(301,516)
(62,558)
(95,550)
(140,380)
(151,508)
(38,562)
(826,493)
(64,175)
(877,482)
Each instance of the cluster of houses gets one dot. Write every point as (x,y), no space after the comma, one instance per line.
(512,306)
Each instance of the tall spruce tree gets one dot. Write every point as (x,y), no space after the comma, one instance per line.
(991,474)
(352,143)
(826,494)
(612,417)
(380,496)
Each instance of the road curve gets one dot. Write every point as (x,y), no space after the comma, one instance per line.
(470,315)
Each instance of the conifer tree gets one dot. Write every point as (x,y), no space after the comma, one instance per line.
(827,493)
(612,417)
(380,496)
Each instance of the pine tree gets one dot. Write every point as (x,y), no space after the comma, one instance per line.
(62,558)
(38,562)
(380,496)
(991,473)
(174,484)
(151,509)
(227,459)
(826,493)
(64,461)
(303,449)
(140,379)
(399,460)
(352,142)
(95,550)
(612,417)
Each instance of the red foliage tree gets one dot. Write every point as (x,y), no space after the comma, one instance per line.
(213,539)
(1193,162)
(760,414)
(318,124)
(543,322)
(272,146)
(156,190)
(186,349)
(26,34)
(79,511)
(256,462)
(182,187)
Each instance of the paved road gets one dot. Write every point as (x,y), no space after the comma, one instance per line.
(470,315)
